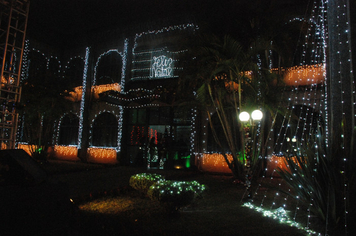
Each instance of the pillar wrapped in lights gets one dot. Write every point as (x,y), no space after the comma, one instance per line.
(249,125)
(341,93)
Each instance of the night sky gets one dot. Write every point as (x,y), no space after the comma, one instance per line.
(60,20)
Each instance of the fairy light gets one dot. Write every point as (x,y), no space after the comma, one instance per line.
(163,30)
(102,155)
(82,103)
(123,56)
(162,67)
(98,60)
(342,84)
(193,131)
(124,63)
(71,63)
(69,152)
(157,67)
(26,147)
(165,189)
(119,119)
(215,162)
(25,61)
(313,96)
(144,60)
(57,130)
(282,216)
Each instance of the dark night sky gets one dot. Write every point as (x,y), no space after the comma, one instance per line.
(56,20)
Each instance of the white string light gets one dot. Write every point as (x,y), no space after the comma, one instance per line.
(82,102)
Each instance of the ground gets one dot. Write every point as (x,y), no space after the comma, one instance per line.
(108,206)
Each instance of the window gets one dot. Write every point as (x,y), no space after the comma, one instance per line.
(105,130)
(109,68)
(137,116)
(74,72)
(68,133)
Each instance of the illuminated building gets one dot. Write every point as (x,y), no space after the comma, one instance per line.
(123,108)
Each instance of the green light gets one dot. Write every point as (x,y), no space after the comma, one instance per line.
(187,162)
(175,156)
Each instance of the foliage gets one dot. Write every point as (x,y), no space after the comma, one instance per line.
(227,81)
(175,194)
(143,181)
(318,181)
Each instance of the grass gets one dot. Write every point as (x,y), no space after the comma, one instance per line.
(124,211)
(219,212)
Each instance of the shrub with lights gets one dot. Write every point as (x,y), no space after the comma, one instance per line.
(175,194)
(143,181)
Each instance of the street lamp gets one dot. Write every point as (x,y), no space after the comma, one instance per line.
(256,115)
(245,117)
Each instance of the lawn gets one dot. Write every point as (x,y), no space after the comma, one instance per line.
(114,208)
(219,212)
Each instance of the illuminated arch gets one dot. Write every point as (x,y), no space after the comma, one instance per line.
(37,62)
(108,68)
(104,130)
(74,70)
(68,129)
(118,73)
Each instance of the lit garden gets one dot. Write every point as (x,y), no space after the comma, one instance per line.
(245,132)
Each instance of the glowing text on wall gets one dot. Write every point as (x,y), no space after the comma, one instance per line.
(162,67)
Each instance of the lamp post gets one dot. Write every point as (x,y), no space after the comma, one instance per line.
(249,121)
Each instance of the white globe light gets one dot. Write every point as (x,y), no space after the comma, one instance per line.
(257,115)
(244,116)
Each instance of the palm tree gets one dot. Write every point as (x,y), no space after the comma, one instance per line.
(228,80)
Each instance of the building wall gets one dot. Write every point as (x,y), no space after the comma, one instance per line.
(115,61)
(125,73)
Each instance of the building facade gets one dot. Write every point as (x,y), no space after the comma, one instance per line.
(124,106)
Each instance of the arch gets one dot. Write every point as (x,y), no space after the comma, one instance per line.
(68,132)
(108,68)
(37,63)
(54,65)
(74,71)
(105,130)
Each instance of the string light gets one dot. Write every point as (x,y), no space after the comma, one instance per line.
(69,152)
(25,62)
(82,103)
(58,129)
(119,119)
(282,216)
(214,162)
(102,155)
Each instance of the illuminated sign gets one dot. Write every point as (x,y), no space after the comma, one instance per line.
(162,67)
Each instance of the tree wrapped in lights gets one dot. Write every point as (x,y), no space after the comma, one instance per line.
(316,181)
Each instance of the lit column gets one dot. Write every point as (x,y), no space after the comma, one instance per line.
(249,132)
(340,75)
(83,135)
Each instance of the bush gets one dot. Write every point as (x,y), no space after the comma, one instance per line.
(175,194)
(143,181)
